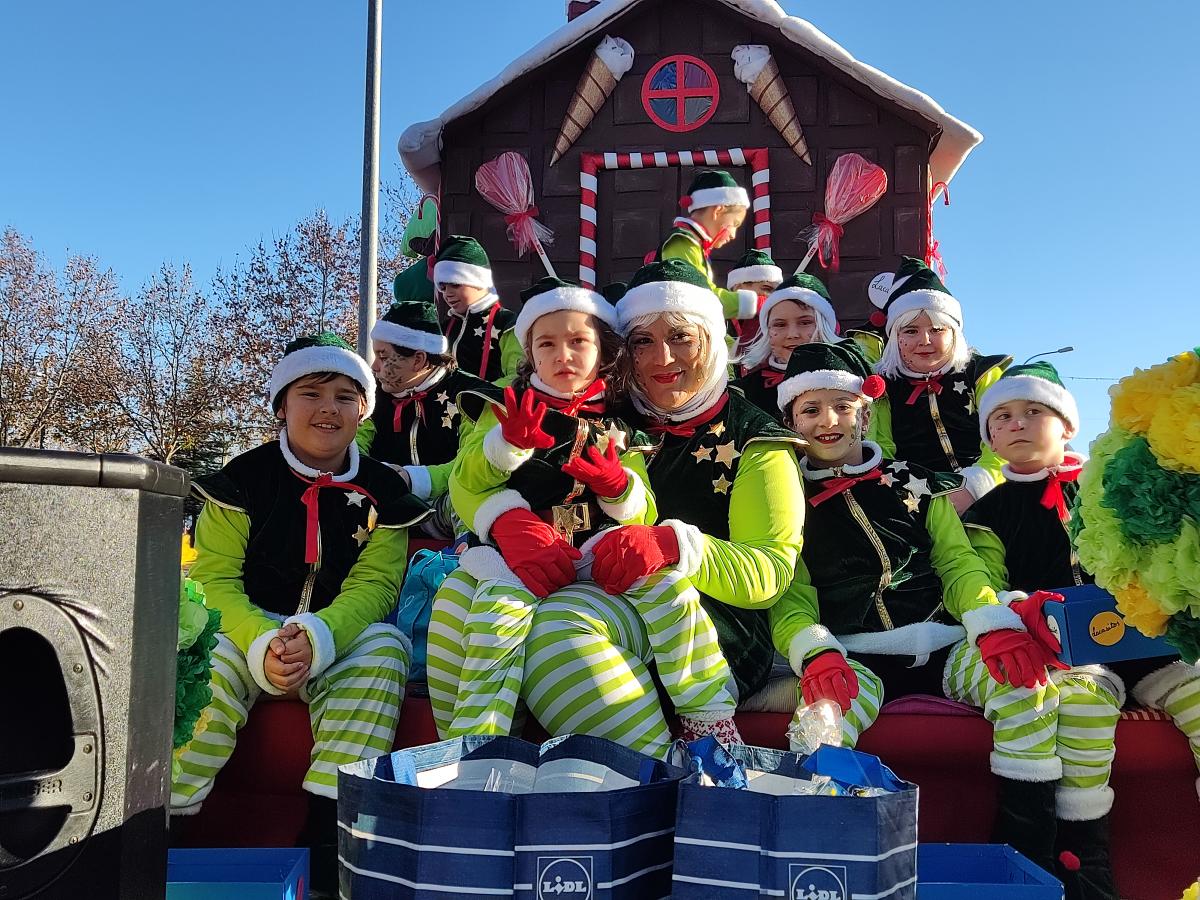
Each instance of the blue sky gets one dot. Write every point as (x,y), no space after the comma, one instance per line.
(150,131)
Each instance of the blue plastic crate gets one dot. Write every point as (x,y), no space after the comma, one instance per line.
(981,872)
(238,874)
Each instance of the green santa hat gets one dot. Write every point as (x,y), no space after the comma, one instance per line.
(670,286)
(413,325)
(714,187)
(413,283)
(914,286)
(754,265)
(1039,382)
(552,294)
(462,260)
(806,289)
(838,367)
(324,352)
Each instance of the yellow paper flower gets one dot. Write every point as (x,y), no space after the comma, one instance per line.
(1192,893)
(1137,396)
(1140,611)
(1174,432)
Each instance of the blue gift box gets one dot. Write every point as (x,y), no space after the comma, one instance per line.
(1093,631)
(238,874)
(981,872)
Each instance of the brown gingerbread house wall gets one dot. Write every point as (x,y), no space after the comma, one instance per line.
(635,207)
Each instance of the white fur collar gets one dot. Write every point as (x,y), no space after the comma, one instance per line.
(434,377)
(694,225)
(776,364)
(487,301)
(308,471)
(536,381)
(874,455)
(1072,462)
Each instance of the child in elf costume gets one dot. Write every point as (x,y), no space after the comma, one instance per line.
(889,598)
(754,271)
(715,208)
(1020,532)
(479,329)
(420,429)
(935,382)
(301,545)
(797,312)
(541,480)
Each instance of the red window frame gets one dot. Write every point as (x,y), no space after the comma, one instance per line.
(680,93)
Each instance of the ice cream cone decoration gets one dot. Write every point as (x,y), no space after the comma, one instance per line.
(611,59)
(755,67)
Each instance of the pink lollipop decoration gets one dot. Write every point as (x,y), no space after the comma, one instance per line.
(854,186)
(505,183)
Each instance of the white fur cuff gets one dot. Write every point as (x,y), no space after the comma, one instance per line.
(501,454)
(419,481)
(1046,769)
(493,508)
(1083,804)
(977,480)
(993,617)
(814,637)
(486,564)
(632,507)
(256,656)
(1152,691)
(691,546)
(747,304)
(324,650)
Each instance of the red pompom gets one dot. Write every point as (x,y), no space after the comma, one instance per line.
(1069,861)
(685,203)
(878,319)
(873,387)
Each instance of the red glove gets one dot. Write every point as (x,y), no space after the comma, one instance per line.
(1014,657)
(1030,611)
(827,676)
(521,424)
(631,552)
(534,551)
(600,473)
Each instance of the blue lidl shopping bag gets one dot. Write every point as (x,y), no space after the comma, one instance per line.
(577,817)
(426,571)
(760,836)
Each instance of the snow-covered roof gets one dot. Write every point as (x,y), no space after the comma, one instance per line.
(420,145)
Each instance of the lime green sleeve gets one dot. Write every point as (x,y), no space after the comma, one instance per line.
(480,474)
(985,474)
(636,506)
(221,537)
(365,436)
(371,589)
(870,344)
(766,522)
(734,304)
(880,428)
(511,355)
(990,550)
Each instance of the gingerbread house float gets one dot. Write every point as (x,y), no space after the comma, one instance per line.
(615,109)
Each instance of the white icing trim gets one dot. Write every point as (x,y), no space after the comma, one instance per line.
(1031,388)
(324,650)
(817,380)
(493,508)
(747,274)
(924,300)
(807,640)
(308,471)
(873,457)
(916,639)
(256,657)
(748,62)
(691,545)
(616,54)
(977,480)
(1032,770)
(993,617)
(634,504)
(451,271)
(311,360)
(500,453)
(419,481)
(1083,804)
(718,196)
(409,338)
(577,299)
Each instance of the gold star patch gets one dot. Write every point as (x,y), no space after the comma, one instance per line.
(451,410)
(702,454)
(917,486)
(727,453)
(447,422)
(722,485)
(361,535)
(613,434)
(443,397)
(911,503)
(717,430)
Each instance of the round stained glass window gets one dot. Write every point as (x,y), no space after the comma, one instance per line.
(680,93)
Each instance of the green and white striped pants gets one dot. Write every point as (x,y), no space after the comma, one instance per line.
(1175,689)
(1064,730)
(353,707)
(580,658)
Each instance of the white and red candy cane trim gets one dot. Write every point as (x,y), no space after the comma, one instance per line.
(591,163)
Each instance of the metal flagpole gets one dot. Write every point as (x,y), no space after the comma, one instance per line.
(369,238)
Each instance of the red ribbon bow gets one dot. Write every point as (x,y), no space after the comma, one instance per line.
(930,385)
(1052,496)
(518,217)
(688,428)
(835,486)
(575,405)
(772,377)
(401,402)
(829,232)
(311,501)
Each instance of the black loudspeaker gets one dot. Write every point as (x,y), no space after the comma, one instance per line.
(89,588)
